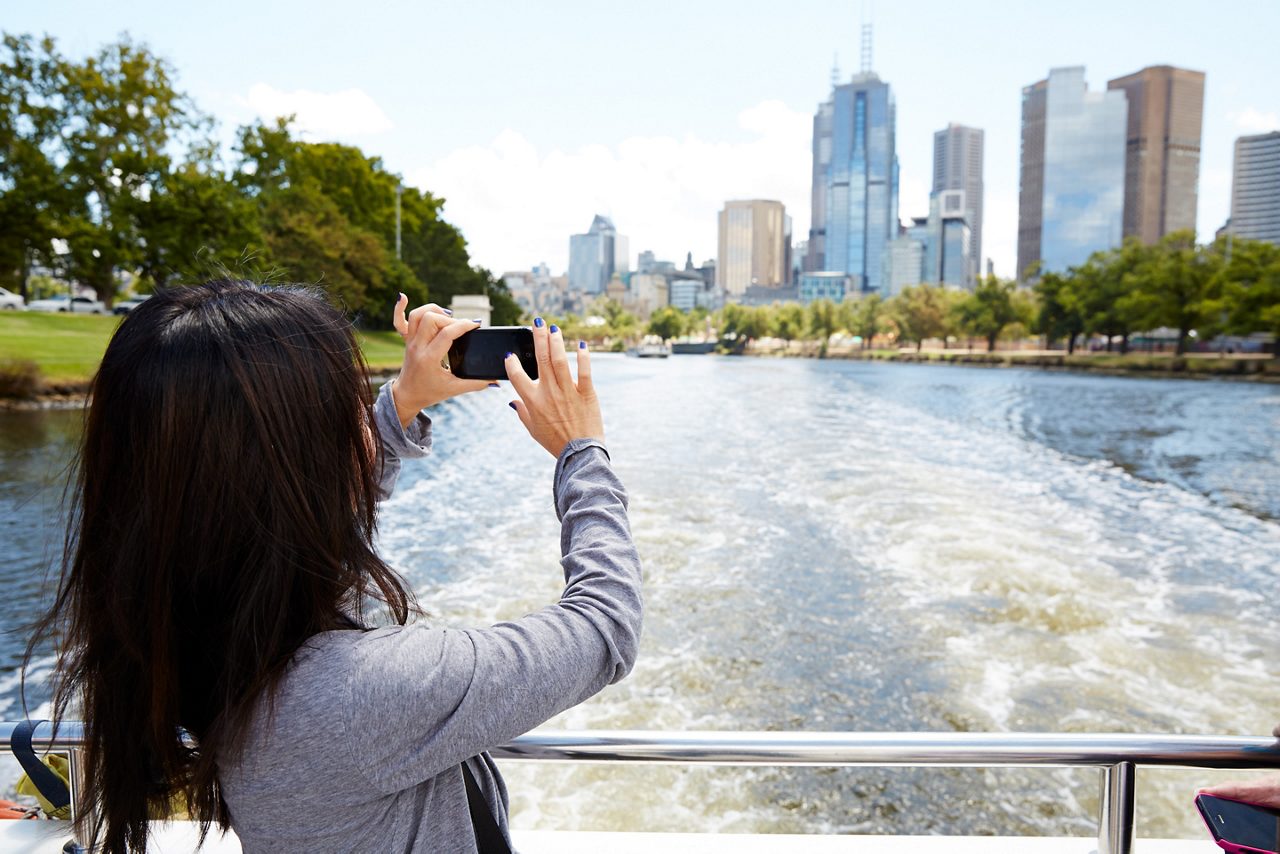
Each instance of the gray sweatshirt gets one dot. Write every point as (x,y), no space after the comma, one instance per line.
(362,752)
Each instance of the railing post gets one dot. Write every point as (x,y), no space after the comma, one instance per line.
(1116,808)
(75,761)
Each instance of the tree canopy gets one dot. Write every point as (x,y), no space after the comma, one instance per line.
(110,173)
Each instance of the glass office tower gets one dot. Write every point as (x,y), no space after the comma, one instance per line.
(1078,158)
(595,256)
(855,183)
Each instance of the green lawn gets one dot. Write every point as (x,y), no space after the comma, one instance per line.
(68,347)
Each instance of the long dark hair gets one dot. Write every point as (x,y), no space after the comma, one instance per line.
(223,512)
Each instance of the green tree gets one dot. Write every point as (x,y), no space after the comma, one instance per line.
(789,322)
(1109,284)
(1058,314)
(196,224)
(988,310)
(121,118)
(919,313)
(33,197)
(667,322)
(1249,293)
(1180,288)
(824,320)
(866,318)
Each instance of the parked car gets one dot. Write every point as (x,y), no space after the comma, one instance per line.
(10,301)
(74,305)
(127,305)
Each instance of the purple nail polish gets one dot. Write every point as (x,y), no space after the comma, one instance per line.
(509,355)
(476,320)
(582,345)
(447,311)
(494,385)
(512,404)
(537,321)
(555,328)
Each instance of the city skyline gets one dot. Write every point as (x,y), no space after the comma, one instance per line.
(494,119)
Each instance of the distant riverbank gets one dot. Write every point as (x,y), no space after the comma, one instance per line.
(1249,368)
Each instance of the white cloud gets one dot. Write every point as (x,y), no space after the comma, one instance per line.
(327,115)
(1251,120)
(517,205)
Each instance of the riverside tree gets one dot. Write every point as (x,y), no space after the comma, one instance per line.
(108,169)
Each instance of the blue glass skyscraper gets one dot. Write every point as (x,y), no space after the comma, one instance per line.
(1071,197)
(855,183)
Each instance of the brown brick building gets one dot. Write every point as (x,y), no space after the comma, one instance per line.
(1162,155)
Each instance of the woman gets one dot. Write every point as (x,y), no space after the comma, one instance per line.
(221,563)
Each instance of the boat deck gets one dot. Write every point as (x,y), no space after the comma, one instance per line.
(48,837)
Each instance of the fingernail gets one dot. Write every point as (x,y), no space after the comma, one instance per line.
(494,385)
(537,321)
(582,345)
(555,328)
(508,356)
(447,311)
(512,404)
(476,320)
(403,297)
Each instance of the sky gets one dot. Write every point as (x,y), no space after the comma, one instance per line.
(529,118)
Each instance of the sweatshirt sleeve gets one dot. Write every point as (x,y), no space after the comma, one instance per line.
(424,699)
(397,442)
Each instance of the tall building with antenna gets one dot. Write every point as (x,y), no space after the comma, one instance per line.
(854,202)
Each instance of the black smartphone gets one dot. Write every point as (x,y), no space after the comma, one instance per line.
(479,354)
(1240,827)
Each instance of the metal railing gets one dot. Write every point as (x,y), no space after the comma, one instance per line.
(1116,756)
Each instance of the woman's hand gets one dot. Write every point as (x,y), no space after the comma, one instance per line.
(1265,791)
(555,409)
(423,381)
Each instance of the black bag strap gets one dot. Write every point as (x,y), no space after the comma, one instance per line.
(49,783)
(489,838)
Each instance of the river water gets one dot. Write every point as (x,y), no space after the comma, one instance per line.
(849,546)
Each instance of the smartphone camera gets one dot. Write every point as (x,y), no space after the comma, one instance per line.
(481,353)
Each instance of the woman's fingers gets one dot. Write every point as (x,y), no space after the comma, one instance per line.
(467,386)
(397,316)
(542,348)
(520,381)
(445,335)
(559,361)
(1265,791)
(584,370)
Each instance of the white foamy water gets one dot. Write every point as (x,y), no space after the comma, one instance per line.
(843,546)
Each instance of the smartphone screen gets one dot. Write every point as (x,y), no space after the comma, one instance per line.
(1248,826)
(479,355)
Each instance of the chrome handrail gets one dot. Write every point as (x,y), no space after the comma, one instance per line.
(1116,755)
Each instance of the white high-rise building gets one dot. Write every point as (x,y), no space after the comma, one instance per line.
(957,165)
(1255,188)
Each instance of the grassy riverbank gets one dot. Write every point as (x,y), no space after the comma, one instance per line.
(58,353)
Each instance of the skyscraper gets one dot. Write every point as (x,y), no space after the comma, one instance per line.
(1162,150)
(595,256)
(855,180)
(1255,188)
(752,245)
(957,165)
(1071,193)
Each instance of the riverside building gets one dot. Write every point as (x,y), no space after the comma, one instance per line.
(1255,188)
(595,256)
(1162,150)
(855,180)
(752,246)
(1071,186)
(957,165)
